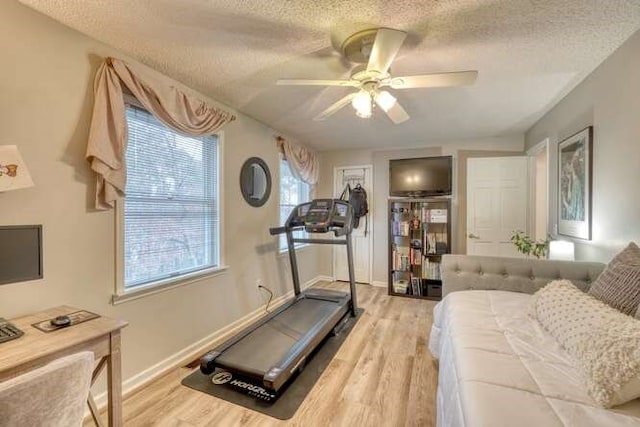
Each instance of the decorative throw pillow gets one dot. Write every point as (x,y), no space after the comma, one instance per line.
(629,255)
(604,343)
(619,284)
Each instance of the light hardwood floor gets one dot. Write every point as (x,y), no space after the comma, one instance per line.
(383,375)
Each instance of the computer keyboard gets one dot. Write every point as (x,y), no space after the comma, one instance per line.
(8,331)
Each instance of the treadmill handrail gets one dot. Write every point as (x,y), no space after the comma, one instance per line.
(338,231)
(341,232)
(343,228)
(320,241)
(277,230)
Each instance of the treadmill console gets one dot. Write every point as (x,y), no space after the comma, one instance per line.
(318,216)
(321,216)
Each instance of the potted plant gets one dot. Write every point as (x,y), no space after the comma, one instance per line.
(528,246)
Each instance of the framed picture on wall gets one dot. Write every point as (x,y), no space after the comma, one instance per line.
(574,184)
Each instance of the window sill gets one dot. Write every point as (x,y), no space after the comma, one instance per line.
(283,252)
(167,284)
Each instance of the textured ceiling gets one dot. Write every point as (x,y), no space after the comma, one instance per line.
(529,53)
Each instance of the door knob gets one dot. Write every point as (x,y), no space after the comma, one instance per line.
(473,236)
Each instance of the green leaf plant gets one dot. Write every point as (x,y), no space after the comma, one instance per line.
(528,246)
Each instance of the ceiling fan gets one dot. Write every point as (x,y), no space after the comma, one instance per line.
(378,47)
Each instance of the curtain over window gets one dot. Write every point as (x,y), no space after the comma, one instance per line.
(303,162)
(180,111)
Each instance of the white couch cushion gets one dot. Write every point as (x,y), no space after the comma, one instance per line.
(499,367)
(603,342)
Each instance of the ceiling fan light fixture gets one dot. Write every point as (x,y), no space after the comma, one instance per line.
(365,113)
(362,104)
(385,100)
(375,49)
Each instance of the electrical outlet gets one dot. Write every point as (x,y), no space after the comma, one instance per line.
(259,289)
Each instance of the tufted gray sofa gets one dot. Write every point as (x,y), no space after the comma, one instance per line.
(497,366)
(463,272)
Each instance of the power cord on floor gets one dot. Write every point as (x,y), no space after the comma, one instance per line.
(266,309)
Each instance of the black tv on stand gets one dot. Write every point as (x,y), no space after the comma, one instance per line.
(421,177)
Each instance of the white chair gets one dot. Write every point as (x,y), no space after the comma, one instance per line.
(54,395)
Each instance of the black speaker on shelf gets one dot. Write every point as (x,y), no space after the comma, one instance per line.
(441,248)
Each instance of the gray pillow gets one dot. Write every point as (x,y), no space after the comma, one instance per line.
(619,286)
(629,255)
(619,283)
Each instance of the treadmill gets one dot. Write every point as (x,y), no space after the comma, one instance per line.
(271,350)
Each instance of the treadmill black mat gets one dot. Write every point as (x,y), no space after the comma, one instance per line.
(292,395)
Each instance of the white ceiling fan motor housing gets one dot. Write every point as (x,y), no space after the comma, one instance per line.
(357,47)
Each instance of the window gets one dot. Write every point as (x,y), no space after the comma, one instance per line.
(292,193)
(170,218)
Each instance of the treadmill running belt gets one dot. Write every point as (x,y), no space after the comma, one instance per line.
(267,345)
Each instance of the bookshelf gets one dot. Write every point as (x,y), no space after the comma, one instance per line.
(419,234)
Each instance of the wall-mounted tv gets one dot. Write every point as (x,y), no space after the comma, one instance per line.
(420,177)
(20,253)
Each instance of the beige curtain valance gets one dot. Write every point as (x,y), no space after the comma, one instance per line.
(185,113)
(304,162)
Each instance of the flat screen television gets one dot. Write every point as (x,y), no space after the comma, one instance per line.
(20,253)
(420,177)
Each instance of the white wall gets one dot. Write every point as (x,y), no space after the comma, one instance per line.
(380,161)
(45,107)
(608,99)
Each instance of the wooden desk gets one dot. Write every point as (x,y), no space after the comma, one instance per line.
(36,348)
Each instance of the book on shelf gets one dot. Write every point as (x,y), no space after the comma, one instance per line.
(431,240)
(394,256)
(433,215)
(400,228)
(431,270)
(434,243)
(438,215)
(416,288)
(400,258)
(404,263)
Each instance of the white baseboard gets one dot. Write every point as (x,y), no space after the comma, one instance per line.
(321,278)
(380,284)
(141,379)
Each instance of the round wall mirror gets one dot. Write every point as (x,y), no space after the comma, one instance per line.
(255,181)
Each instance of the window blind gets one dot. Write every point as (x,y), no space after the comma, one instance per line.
(292,193)
(171,221)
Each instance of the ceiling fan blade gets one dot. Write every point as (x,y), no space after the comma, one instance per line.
(335,107)
(384,50)
(460,78)
(303,82)
(396,113)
